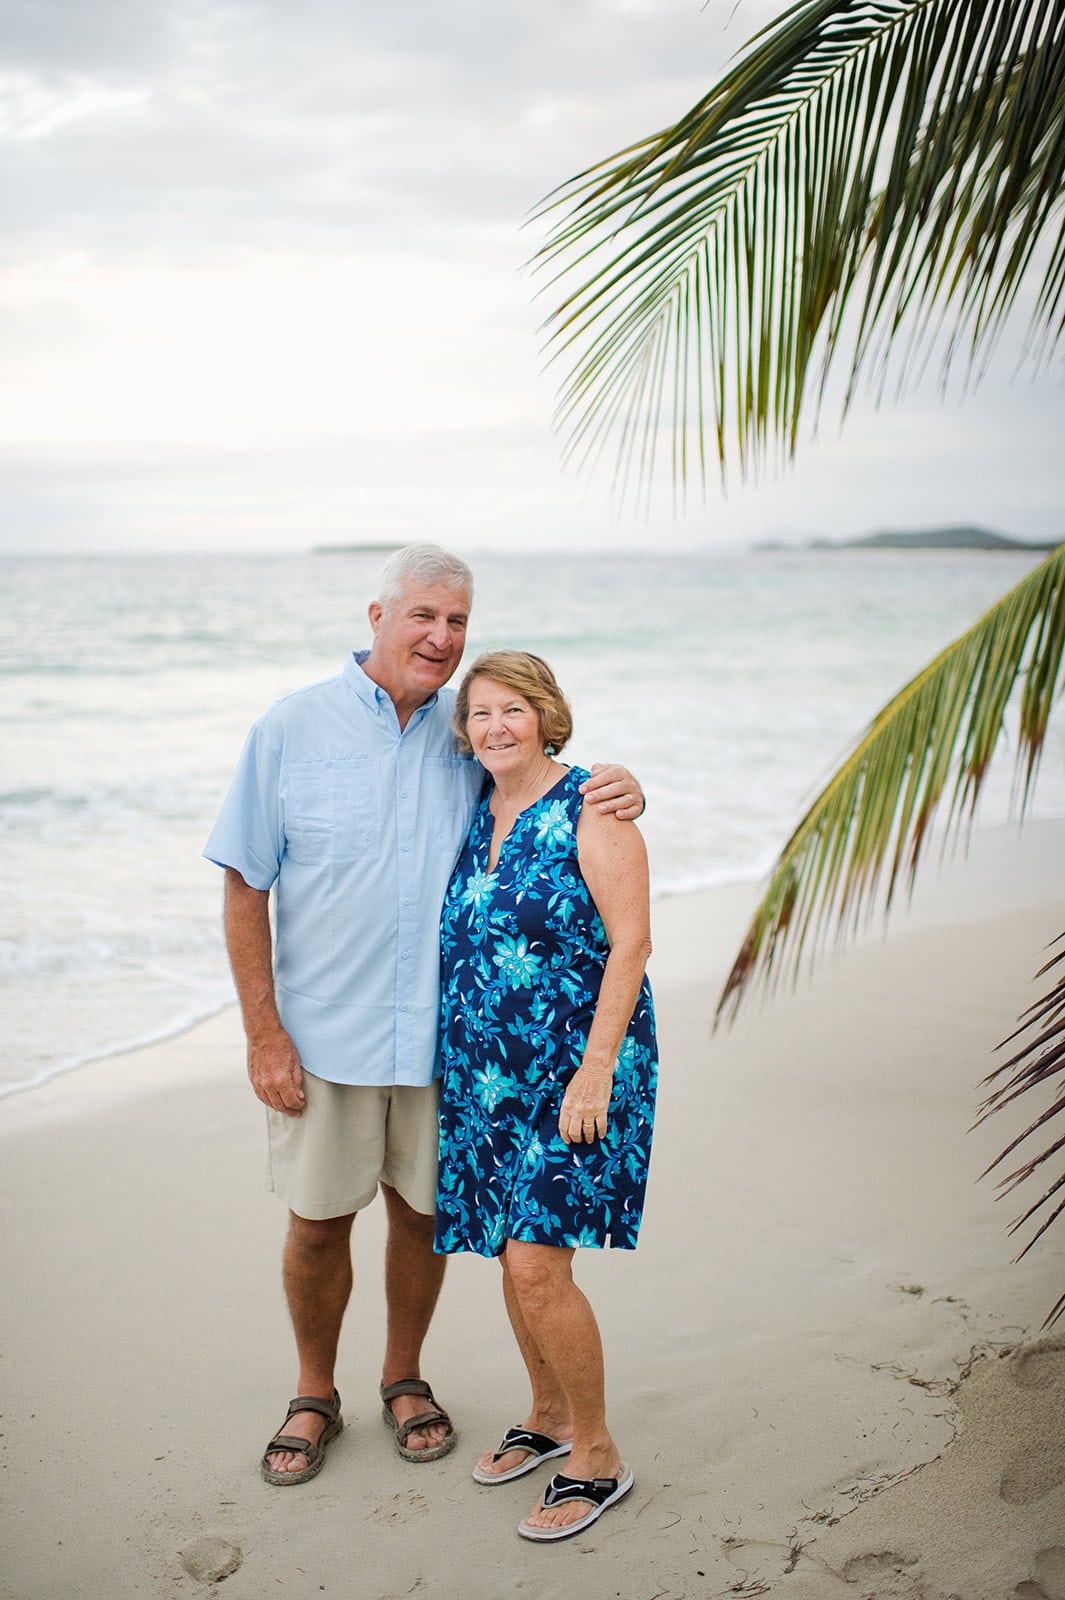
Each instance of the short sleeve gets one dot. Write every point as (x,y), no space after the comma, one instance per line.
(249,833)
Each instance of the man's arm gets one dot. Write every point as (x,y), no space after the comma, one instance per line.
(613,788)
(273,1063)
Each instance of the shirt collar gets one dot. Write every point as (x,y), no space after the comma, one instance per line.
(368,691)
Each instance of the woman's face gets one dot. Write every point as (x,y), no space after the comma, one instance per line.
(503,728)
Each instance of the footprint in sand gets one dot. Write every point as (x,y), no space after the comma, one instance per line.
(1038,1365)
(1032,1472)
(877,1564)
(210,1559)
(1048,1577)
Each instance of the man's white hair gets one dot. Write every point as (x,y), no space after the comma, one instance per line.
(426,564)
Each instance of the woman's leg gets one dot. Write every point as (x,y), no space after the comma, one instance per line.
(550,1411)
(564,1332)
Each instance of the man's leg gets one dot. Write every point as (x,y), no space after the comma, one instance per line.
(317,1277)
(414,1274)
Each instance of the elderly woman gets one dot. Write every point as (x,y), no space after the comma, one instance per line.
(549,1069)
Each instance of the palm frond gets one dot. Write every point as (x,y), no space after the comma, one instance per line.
(1039,1060)
(874,814)
(898,159)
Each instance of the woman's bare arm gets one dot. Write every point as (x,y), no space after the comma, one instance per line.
(613,861)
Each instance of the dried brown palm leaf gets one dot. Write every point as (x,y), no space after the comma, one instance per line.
(1039,1061)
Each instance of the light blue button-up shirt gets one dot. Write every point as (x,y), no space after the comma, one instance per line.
(356,825)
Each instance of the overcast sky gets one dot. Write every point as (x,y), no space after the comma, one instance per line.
(262,286)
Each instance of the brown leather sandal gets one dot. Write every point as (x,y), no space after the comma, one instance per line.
(315,1453)
(424,1419)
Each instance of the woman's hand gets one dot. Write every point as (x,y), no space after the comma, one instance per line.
(583,1117)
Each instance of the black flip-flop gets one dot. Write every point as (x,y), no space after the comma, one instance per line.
(599,1493)
(541,1447)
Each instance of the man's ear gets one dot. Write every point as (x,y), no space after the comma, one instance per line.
(375,611)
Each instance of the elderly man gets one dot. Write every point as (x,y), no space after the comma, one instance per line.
(350,803)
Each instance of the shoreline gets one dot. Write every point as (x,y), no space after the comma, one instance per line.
(188,1023)
(729,901)
(173,1030)
(812,1358)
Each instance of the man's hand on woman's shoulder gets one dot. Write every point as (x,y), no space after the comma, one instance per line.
(613,789)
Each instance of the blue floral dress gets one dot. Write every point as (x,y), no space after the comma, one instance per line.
(522,952)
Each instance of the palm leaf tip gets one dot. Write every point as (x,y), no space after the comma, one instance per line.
(866,831)
(741,971)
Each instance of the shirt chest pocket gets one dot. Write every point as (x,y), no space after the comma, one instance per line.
(449,804)
(331,811)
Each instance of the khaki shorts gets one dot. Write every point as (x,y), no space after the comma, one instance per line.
(328,1161)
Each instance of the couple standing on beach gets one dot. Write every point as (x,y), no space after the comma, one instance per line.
(411,837)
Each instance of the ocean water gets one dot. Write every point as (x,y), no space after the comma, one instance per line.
(729,682)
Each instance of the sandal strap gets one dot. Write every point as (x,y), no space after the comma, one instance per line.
(425,1419)
(288,1441)
(330,1410)
(594,1490)
(537,1444)
(416,1424)
(417,1386)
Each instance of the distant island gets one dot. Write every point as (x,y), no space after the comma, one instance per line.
(956,538)
(959,538)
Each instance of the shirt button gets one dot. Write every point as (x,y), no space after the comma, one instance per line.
(403,794)
(408,899)
(404,955)
(403,1006)
(404,847)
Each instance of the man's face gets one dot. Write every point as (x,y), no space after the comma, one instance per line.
(418,641)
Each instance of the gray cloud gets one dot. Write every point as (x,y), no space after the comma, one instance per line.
(113,40)
(174,136)
(331,118)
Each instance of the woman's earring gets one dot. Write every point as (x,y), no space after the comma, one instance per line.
(549,749)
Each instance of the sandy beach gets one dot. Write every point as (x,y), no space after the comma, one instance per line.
(823,1369)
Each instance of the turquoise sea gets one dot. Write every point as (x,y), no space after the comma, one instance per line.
(730,682)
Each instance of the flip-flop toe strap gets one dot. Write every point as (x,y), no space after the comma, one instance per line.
(537,1444)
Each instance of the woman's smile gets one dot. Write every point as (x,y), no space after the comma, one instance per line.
(502,727)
